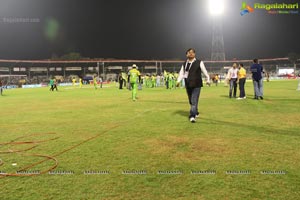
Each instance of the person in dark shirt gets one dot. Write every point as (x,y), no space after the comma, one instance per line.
(120,81)
(55,85)
(257,71)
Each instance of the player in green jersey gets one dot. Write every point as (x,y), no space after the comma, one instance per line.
(134,77)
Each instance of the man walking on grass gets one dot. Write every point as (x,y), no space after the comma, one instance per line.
(191,72)
(134,76)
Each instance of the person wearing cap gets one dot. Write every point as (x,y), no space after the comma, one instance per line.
(134,75)
(191,72)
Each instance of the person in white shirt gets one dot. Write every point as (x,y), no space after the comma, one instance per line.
(191,71)
(233,77)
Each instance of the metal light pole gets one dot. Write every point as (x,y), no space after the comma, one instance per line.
(217,48)
(103,78)
(98,68)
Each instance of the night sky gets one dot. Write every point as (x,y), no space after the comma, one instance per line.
(140,29)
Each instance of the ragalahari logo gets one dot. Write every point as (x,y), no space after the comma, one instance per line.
(246,9)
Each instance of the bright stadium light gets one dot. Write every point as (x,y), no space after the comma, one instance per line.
(216,7)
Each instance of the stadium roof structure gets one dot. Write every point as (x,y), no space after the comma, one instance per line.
(129,61)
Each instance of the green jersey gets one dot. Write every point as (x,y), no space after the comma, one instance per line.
(134,75)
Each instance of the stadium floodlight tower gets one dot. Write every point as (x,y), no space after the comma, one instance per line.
(216,8)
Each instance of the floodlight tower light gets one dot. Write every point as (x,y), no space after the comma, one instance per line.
(216,8)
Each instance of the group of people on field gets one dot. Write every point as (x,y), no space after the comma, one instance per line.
(190,76)
(237,77)
(153,80)
(53,84)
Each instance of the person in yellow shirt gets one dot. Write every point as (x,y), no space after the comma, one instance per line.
(95,82)
(242,80)
(216,79)
(80,82)
(134,75)
(73,81)
(153,78)
(170,80)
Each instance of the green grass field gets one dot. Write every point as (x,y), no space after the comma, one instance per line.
(104,130)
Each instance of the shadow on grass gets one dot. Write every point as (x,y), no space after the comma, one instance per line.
(250,96)
(224,96)
(286,100)
(182,113)
(262,129)
(169,102)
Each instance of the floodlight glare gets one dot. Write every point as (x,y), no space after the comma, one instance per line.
(216,7)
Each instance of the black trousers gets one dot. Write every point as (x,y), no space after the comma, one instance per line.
(54,87)
(121,84)
(242,82)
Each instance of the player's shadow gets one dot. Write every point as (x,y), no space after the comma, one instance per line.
(237,95)
(168,102)
(286,100)
(224,96)
(182,113)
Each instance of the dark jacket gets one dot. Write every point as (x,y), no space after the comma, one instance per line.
(257,71)
(194,79)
